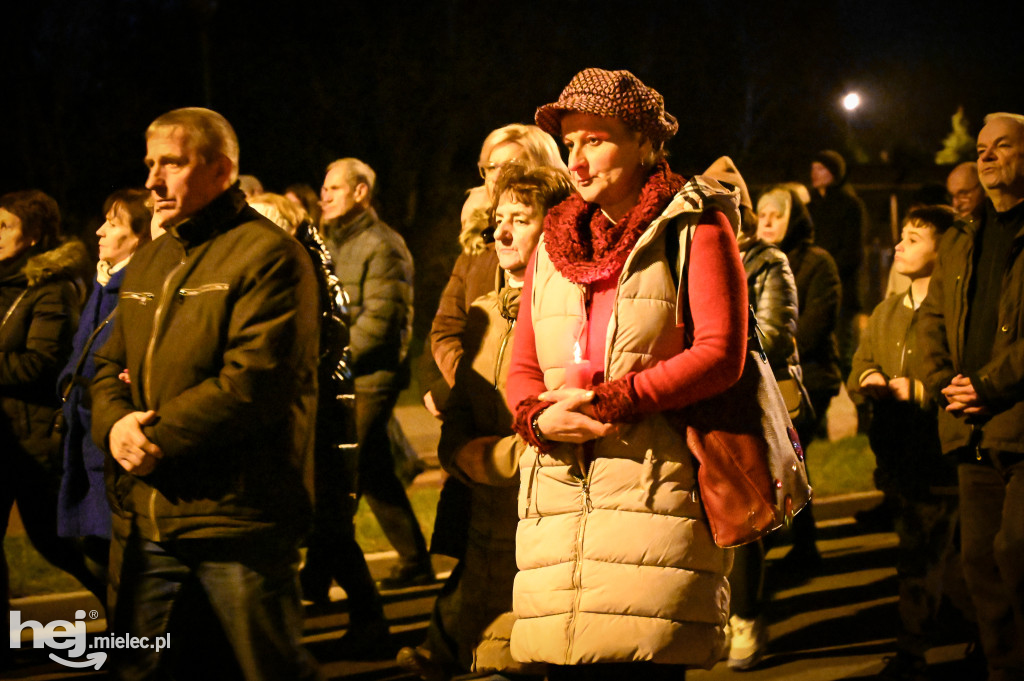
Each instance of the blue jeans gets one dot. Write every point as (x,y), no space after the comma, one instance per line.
(251,586)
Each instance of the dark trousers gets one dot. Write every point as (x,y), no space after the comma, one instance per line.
(379,483)
(992,535)
(804,529)
(333,553)
(250,584)
(925,526)
(34,488)
(747,580)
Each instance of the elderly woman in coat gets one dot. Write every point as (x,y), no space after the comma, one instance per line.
(526,146)
(619,574)
(470,628)
(41,291)
(473,274)
(783,220)
(83,512)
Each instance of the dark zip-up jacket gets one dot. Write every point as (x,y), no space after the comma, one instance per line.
(40,300)
(376,269)
(819,289)
(218,328)
(941,329)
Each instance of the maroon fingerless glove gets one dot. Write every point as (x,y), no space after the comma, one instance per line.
(526,411)
(615,401)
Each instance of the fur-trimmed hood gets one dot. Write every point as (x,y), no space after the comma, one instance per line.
(68,261)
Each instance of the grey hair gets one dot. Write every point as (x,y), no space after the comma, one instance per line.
(1016,118)
(356,172)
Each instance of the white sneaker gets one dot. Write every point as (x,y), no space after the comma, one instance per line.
(749,641)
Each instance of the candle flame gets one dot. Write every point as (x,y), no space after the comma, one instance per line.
(577,354)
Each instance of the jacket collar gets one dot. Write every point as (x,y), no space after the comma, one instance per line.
(114,283)
(69,261)
(340,233)
(212,218)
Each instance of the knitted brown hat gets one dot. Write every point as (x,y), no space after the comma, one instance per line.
(616,94)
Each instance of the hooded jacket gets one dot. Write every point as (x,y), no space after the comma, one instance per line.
(819,291)
(218,328)
(40,300)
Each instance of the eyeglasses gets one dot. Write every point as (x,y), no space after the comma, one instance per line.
(966,193)
(487,168)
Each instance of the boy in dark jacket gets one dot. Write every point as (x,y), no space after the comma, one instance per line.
(918,482)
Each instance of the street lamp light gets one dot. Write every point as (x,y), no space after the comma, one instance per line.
(851,101)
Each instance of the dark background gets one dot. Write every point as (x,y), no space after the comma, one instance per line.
(413,88)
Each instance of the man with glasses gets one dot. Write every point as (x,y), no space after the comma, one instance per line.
(965,190)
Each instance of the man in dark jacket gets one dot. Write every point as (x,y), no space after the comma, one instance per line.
(211,436)
(840,223)
(376,269)
(972,335)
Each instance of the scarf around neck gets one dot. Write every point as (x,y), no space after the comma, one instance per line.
(585,246)
(104,270)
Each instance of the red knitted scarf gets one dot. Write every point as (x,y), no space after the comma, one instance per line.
(585,246)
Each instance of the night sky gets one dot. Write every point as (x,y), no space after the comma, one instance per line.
(413,88)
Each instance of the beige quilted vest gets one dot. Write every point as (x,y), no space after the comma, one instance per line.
(616,561)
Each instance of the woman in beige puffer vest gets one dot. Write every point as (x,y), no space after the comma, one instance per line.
(619,576)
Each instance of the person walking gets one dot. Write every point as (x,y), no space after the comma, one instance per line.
(619,575)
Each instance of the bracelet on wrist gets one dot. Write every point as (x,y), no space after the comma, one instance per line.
(535,427)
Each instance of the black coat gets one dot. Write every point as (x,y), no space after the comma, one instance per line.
(841,221)
(40,300)
(819,291)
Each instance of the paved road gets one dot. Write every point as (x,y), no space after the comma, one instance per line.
(838,625)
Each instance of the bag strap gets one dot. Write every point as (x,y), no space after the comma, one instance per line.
(678,249)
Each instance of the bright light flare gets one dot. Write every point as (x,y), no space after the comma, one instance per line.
(851,101)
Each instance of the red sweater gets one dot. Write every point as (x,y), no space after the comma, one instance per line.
(718,303)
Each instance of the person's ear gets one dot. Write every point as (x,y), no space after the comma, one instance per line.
(361,192)
(223,168)
(646,149)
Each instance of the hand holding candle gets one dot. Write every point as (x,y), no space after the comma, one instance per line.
(578,374)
